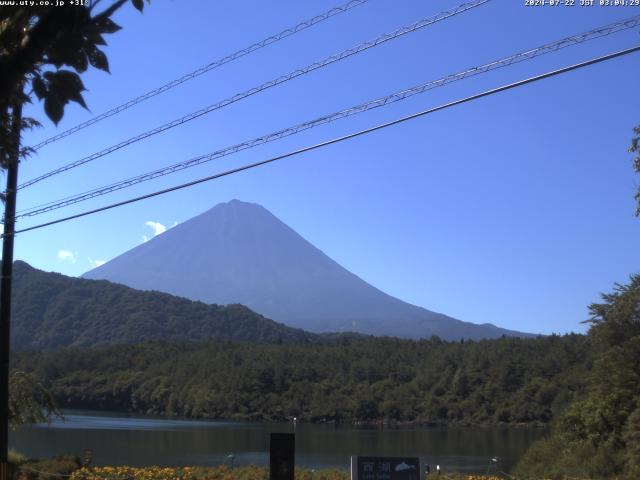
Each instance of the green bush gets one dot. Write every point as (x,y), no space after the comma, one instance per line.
(46,469)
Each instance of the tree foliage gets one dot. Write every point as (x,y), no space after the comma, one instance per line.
(48,47)
(598,435)
(503,381)
(635,148)
(29,401)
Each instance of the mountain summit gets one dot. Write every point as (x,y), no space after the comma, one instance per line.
(239,252)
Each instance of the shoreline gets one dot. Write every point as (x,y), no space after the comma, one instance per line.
(380,423)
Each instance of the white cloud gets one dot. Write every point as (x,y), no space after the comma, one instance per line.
(67,256)
(157,227)
(145,238)
(96,263)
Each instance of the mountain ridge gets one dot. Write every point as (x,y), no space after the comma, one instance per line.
(51,310)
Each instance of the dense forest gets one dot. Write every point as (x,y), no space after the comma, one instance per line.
(514,381)
(51,310)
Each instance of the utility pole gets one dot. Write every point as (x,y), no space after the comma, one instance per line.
(13,159)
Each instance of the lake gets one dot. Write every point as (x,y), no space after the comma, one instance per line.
(119,439)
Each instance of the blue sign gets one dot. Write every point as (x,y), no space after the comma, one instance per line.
(385,468)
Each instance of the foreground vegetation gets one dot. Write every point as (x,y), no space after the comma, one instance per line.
(598,436)
(225,473)
(504,381)
(69,467)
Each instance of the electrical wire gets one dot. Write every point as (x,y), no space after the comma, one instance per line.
(272,83)
(338,139)
(379,102)
(207,68)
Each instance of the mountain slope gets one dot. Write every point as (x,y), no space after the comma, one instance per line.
(51,310)
(239,252)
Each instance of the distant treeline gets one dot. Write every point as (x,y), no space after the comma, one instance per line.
(508,380)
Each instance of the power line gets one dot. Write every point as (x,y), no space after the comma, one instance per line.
(338,139)
(272,83)
(207,68)
(379,102)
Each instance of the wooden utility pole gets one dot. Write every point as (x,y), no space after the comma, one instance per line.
(13,159)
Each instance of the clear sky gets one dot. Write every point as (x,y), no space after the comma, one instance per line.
(516,209)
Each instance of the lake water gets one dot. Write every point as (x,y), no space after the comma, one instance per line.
(118,439)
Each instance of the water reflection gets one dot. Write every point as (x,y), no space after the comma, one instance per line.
(117,439)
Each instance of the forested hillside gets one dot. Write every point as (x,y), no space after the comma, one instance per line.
(515,381)
(51,310)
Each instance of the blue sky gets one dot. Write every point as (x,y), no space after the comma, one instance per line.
(516,209)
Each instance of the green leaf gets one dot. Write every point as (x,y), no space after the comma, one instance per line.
(94,38)
(39,87)
(54,108)
(64,86)
(67,80)
(77,97)
(106,25)
(98,59)
(78,60)
(66,49)
(48,76)
(69,86)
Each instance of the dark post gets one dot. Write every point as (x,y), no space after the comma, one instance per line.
(5,285)
(282,454)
